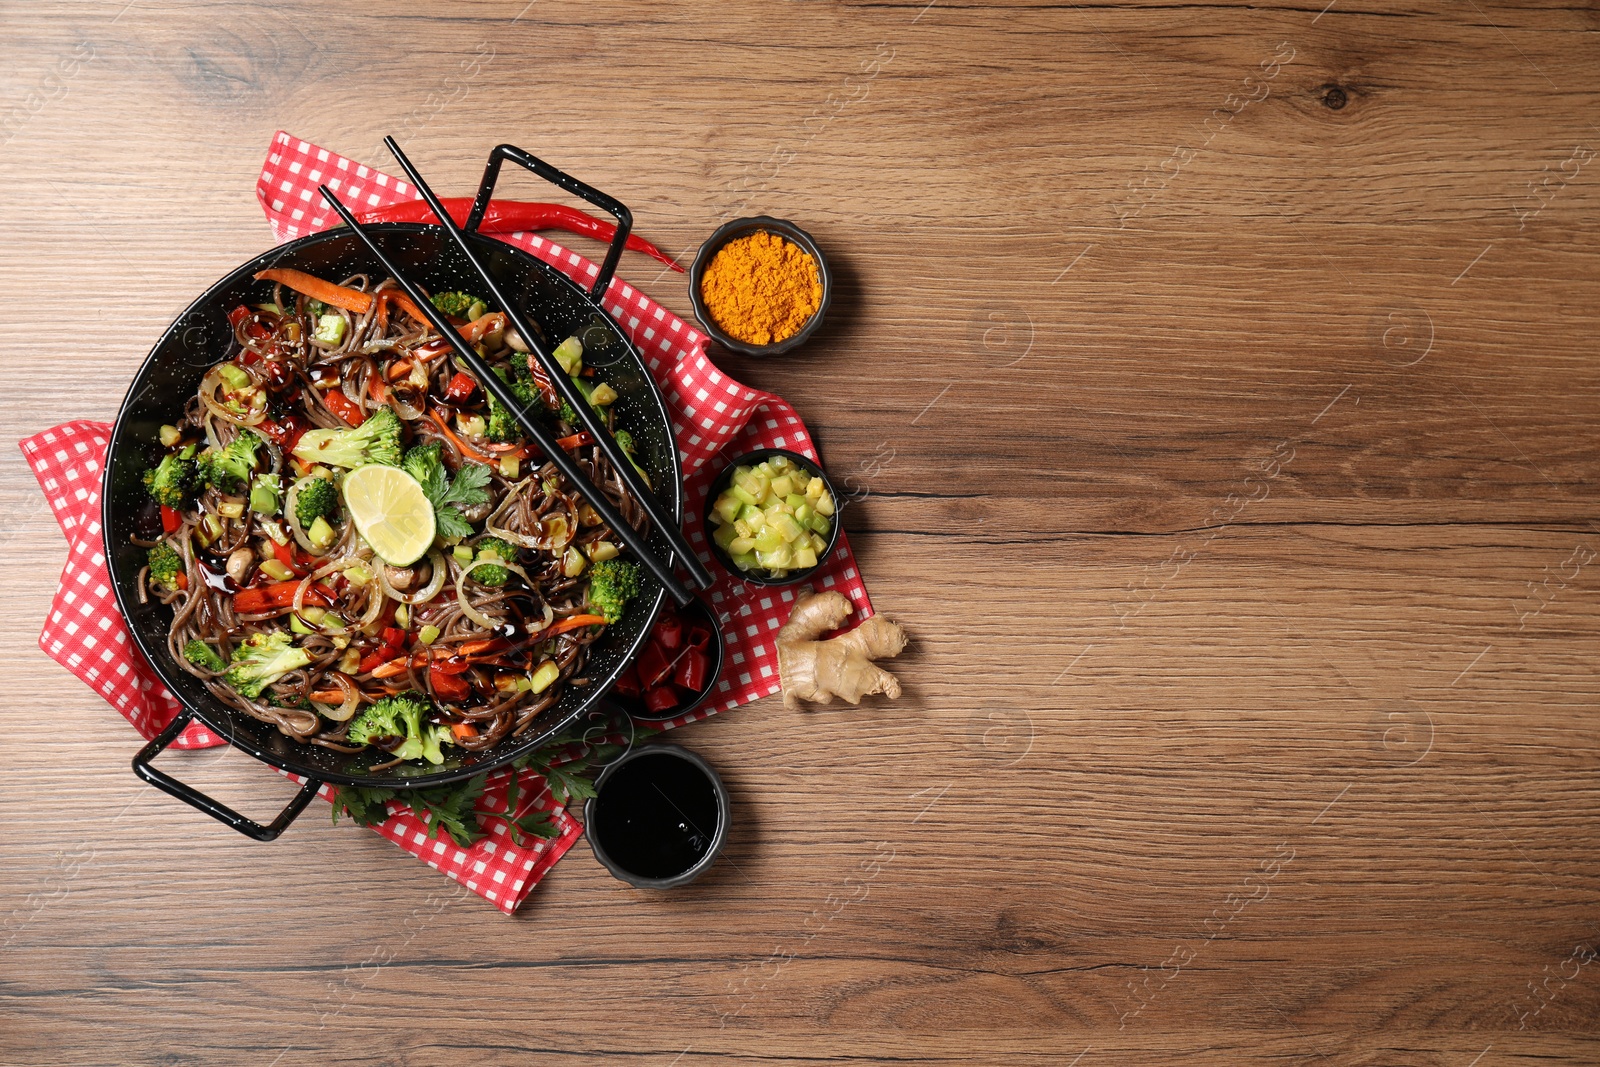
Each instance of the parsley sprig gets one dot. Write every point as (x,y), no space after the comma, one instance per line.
(568,764)
(448,495)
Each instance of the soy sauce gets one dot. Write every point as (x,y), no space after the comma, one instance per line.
(656,816)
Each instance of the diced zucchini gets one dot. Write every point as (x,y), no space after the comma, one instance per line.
(724,534)
(330,329)
(569,354)
(320,533)
(795,502)
(462,553)
(600,551)
(786,526)
(778,559)
(769,540)
(231,509)
(299,626)
(170,435)
(740,546)
(741,495)
(428,634)
(825,504)
(745,561)
(820,523)
(805,557)
(781,486)
(402,616)
(233,375)
(472,425)
(545,676)
(727,507)
(264,494)
(814,488)
(510,465)
(573,562)
(603,395)
(276,570)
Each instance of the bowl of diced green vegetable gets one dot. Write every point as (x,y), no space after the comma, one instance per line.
(772,517)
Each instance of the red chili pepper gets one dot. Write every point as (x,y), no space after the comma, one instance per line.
(460,387)
(662,698)
(344,407)
(170,519)
(514,216)
(691,673)
(451,687)
(669,633)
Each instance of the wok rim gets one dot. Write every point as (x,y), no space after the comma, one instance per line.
(217,716)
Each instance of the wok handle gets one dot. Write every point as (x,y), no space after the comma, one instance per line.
(610,205)
(193,797)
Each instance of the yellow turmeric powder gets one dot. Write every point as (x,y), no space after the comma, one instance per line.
(761,289)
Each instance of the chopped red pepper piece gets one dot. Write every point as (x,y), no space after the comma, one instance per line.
(394,637)
(691,672)
(669,633)
(662,698)
(654,666)
(460,388)
(451,687)
(374,660)
(699,637)
(170,519)
(628,683)
(344,407)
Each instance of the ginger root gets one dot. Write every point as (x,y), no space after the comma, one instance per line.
(841,666)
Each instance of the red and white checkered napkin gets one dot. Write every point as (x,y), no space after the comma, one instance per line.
(86,634)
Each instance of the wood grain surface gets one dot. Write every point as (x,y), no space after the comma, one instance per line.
(1218,386)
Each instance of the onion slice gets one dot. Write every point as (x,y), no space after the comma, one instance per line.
(473,613)
(352,699)
(431,590)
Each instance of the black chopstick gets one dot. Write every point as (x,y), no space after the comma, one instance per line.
(558,378)
(492,385)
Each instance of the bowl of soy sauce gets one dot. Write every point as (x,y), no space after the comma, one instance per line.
(658,818)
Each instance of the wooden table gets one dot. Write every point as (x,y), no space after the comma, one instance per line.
(1218,385)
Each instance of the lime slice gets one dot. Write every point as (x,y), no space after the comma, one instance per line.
(391,511)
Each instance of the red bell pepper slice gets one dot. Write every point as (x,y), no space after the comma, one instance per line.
(654,666)
(170,519)
(692,669)
(373,660)
(662,698)
(460,388)
(628,683)
(669,633)
(394,637)
(699,637)
(344,407)
(277,595)
(451,687)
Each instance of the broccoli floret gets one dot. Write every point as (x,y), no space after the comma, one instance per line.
(316,500)
(375,441)
(625,442)
(459,305)
(401,716)
(612,583)
(229,468)
(173,481)
(262,660)
(165,565)
(489,575)
(201,654)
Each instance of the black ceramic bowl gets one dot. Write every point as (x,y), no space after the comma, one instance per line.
(708,520)
(634,706)
(637,828)
(200,337)
(739,228)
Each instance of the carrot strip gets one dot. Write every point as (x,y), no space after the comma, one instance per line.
(582,437)
(317,289)
(399,367)
(573,622)
(466,449)
(463,730)
(488,644)
(327,696)
(397,666)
